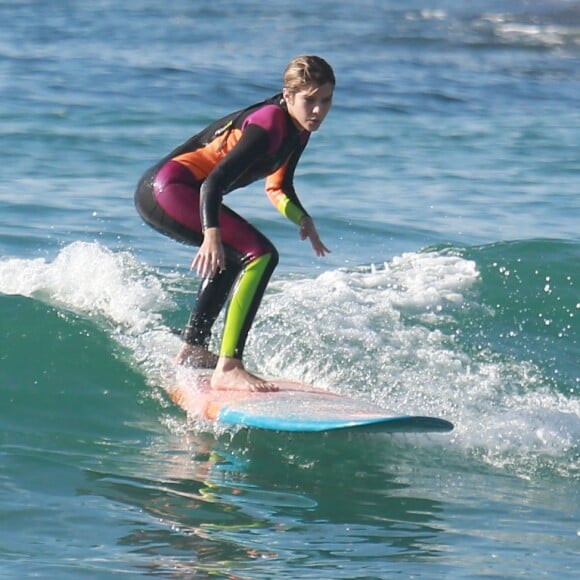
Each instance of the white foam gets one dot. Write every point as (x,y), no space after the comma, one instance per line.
(506,28)
(112,287)
(90,279)
(391,333)
(362,314)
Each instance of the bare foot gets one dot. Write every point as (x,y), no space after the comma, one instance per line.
(197,357)
(230,374)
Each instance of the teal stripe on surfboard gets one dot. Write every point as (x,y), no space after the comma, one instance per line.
(394,424)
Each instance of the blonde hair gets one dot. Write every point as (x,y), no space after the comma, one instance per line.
(307,70)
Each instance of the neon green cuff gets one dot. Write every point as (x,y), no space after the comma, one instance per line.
(291,211)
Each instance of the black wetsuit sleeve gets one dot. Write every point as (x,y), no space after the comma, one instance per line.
(281,191)
(253,145)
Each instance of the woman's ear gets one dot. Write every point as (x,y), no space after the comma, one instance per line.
(287,95)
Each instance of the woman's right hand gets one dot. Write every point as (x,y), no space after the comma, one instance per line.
(210,258)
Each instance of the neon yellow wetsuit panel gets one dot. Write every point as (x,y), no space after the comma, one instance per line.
(241,301)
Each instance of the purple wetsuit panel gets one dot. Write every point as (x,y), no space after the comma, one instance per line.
(273,120)
(176,190)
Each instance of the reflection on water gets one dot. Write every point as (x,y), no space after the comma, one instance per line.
(254,501)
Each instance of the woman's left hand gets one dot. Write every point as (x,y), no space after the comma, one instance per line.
(307,230)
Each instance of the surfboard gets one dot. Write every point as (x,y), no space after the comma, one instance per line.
(296,407)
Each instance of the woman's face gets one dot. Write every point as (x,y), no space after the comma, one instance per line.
(309,106)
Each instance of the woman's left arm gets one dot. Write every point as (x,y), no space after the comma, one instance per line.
(280,190)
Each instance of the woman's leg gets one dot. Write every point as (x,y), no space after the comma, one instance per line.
(259,259)
(167,198)
(211,297)
(169,202)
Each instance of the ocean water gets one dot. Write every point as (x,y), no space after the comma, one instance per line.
(445,181)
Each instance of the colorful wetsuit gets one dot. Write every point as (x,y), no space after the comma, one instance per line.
(181,196)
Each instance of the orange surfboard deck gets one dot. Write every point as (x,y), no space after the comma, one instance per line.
(297,407)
